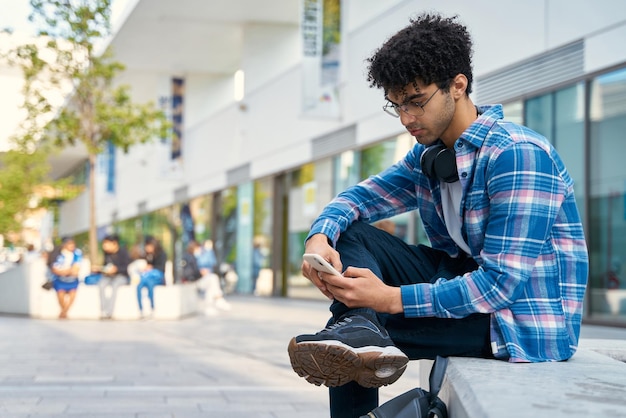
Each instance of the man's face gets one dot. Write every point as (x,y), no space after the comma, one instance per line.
(109,247)
(69,245)
(425,110)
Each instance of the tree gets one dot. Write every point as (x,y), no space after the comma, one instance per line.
(93,111)
(19,174)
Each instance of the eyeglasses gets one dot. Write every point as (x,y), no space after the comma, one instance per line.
(410,108)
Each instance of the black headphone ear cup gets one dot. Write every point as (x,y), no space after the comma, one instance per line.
(445,166)
(427,161)
(439,162)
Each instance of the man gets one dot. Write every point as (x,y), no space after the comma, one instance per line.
(507,271)
(114,273)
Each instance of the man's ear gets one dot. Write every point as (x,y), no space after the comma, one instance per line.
(458,86)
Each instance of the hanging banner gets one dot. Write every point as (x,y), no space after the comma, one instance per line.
(178,94)
(321,40)
(171,151)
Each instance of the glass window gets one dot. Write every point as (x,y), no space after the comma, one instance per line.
(226,229)
(346,170)
(262,276)
(377,158)
(607,197)
(202,212)
(244,237)
(538,115)
(569,136)
(310,189)
(193,224)
(559,116)
(514,112)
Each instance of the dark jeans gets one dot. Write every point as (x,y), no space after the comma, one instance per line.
(398,263)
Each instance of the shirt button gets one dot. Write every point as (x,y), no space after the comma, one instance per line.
(464,174)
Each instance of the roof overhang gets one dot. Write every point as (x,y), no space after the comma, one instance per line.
(185,37)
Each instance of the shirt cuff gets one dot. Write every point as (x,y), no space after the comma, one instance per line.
(417,300)
(328,228)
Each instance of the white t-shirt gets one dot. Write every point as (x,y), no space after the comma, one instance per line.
(451,194)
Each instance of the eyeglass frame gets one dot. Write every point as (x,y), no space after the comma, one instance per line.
(387,108)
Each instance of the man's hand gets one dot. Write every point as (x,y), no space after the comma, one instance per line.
(110,269)
(318,244)
(360,288)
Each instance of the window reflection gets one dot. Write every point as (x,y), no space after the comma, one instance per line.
(607,197)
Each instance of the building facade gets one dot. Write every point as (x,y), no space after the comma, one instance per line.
(273,116)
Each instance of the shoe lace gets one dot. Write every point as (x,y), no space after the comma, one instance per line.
(339,323)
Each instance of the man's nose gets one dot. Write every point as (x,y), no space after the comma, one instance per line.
(406,119)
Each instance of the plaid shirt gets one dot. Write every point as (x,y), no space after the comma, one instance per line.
(520,220)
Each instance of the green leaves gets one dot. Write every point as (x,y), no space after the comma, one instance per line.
(69,91)
(20,172)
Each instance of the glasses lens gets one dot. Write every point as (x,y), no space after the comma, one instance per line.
(390,109)
(417,110)
(412,109)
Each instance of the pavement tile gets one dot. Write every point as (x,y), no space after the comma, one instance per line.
(230,365)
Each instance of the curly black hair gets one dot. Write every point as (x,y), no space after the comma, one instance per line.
(432,49)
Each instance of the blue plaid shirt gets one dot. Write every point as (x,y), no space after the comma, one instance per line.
(520,220)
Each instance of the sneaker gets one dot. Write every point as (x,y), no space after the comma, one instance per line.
(222,304)
(353,348)
(211,311)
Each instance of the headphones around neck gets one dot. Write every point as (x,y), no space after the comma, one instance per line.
(439,162)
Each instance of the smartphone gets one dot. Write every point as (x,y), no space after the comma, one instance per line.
(319,264)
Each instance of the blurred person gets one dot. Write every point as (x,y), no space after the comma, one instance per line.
(114,273)
(209,285)
(137,264)
(206,258)
(190,272)
(153,273)
(258,261)
(505,274)
(31,254)
(64,263)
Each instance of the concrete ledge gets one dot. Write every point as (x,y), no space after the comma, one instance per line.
(591,383)
(170,302)
(175,301)
(21,293)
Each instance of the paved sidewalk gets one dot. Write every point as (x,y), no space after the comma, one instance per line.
(231,365)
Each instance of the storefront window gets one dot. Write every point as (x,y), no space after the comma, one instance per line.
(377,158)
(514,112)
(607,196)
(346,170)
(201,212)
(569,137)
(310,189)
(244,237)
(559,116)
(226,236)
(539,117)
(262,274)
(192,223)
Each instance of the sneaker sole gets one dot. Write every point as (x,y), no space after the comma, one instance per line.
(332,363)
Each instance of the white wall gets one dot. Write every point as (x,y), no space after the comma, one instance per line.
(272,135)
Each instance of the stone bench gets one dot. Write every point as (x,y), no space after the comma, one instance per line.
(171,302)
(591,383)
(21,293)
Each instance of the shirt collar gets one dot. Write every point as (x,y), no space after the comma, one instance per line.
(476,133)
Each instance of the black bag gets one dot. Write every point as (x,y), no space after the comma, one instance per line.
(191,272)
(47,285)
(417,403)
